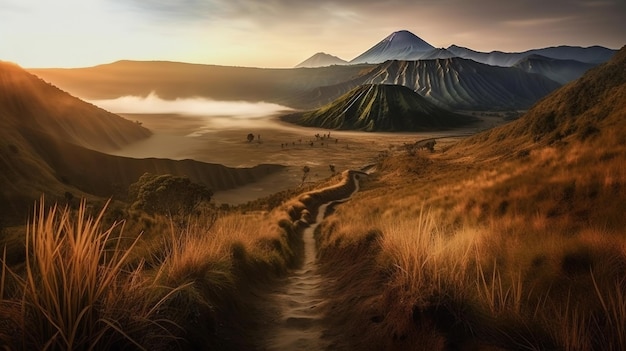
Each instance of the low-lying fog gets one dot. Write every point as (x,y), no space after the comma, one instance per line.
(210,114)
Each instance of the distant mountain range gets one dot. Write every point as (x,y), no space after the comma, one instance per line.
(404,45)
(171,80)
(50,143)
(481,81)
(452,83)
(380,107)
(593,54)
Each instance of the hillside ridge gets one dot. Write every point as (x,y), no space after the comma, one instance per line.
(27,100)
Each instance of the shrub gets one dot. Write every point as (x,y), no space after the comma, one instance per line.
(168,194)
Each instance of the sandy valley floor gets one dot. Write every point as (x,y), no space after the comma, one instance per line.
(183,136)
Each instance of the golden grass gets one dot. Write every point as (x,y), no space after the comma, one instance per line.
(74,277)
(502,290)
(529,254)
(83,286)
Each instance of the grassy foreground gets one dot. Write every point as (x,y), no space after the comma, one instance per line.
(447,251)
(86,284)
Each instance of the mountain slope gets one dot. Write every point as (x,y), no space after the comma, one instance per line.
(321,59)
(437,53)
(401,45)
(44,135)
(376,107)
(33,163)
(31,103)
(562,71)
(592,54)
(590,109)
(451,83)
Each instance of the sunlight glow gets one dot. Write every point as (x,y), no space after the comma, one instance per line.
(78,33)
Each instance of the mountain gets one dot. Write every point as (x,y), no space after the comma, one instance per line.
(562,71)
(46,142)
(401,45)
(592,54)
(591,109)
(321,59)
(29,102)
(172,80)
(453,83)
(380,107)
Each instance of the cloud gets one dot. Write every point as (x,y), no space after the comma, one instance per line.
(534,22)
(264,13)
(292,30)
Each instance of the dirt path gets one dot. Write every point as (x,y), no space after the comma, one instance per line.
(299,302)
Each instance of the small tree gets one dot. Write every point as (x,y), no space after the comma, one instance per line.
(250,137)
(332,169)
(305,173)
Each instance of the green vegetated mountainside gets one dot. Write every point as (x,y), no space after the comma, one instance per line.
(454,83)
(47,142)
(380,107)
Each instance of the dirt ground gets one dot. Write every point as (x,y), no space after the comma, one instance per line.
(193,137)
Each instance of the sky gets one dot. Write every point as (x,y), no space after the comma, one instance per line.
(283,33)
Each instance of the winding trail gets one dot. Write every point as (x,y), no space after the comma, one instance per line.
(300,301)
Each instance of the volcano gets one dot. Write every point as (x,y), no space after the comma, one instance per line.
(401,45)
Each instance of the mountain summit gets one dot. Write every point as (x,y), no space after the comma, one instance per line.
(321,59)
(401,45)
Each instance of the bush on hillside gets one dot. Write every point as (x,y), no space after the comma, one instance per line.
(167,194)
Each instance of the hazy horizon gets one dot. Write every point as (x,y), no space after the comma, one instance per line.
(281,34)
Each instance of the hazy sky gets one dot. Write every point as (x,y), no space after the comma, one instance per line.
(282,33)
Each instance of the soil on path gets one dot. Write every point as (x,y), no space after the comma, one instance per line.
(298,322)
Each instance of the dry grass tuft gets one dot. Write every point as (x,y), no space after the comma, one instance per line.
(75,276)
